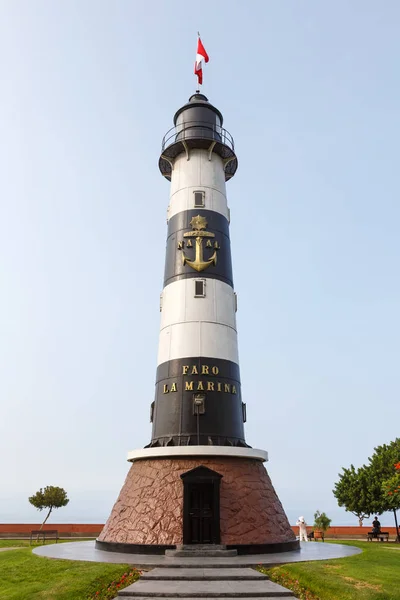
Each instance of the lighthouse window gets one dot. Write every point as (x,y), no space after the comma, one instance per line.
(198,199)
(199,288)
(244,412)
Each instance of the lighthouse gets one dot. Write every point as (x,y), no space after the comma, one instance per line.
(198,481)
(198,397)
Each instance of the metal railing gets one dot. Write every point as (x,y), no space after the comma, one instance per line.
(197,130)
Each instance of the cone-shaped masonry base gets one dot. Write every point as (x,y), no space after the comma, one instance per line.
(151,507)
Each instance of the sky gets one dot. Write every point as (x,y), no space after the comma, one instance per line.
(310,92)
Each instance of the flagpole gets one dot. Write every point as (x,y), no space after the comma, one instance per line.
(201,55)
(198,91)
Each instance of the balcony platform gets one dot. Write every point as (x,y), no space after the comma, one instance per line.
(197,451)
(190,135)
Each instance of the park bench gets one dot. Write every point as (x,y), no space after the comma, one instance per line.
(49,534)
(316,535)
(382,536)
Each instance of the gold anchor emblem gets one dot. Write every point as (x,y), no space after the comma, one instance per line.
(199,225)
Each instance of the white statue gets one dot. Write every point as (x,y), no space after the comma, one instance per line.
(302,525)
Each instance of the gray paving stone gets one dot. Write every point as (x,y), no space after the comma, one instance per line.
(206,553)
(86,551)
(200,574)
(200,546)
(203,550)
(205,589)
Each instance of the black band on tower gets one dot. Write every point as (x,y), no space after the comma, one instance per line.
(215,383)
(214,241)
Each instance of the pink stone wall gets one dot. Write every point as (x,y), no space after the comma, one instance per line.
(149,509)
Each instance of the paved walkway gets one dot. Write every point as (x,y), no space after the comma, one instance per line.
(196,583)
(182,577)
(11,548)
(87,551)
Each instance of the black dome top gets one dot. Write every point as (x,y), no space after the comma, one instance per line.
(198,96)
(198,100)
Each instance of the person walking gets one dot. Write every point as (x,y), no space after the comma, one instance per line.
(302,525)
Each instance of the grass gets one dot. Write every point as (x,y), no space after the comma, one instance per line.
(13,543)
(25,576)
(21,543)
(372,575)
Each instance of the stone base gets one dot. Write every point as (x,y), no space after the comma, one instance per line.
(149,510)
(157,550)
(201,550)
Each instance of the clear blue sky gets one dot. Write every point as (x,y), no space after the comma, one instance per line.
(310,92)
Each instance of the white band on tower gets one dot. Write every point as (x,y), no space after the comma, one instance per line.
(204,172)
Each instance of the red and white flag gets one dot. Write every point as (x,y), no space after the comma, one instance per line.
(200,56)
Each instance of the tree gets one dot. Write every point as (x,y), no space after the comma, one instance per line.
(51,497)
(391,489)
(321,521)
(352,492)
(384,467)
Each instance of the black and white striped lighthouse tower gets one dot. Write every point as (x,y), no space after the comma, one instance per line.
(198,398)
(198,481)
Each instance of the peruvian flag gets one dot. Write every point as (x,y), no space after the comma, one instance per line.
(200,55)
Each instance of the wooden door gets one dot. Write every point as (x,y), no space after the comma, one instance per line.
(201,514)
(201,488)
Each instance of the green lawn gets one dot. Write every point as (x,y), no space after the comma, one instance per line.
(20,543)
(25,576)
(372,575)
(13,543)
